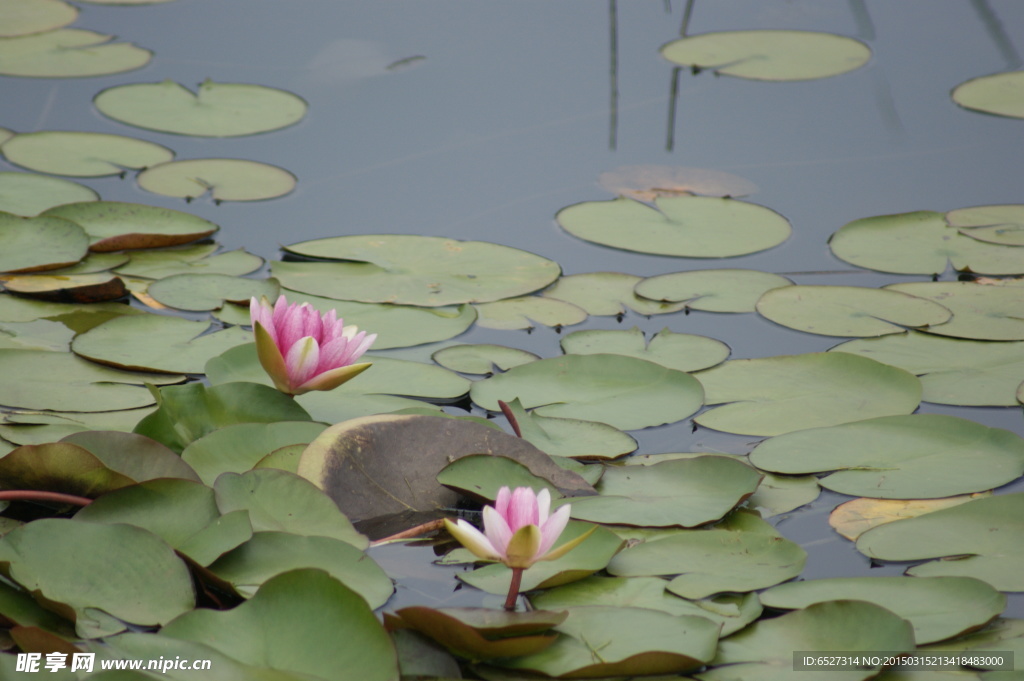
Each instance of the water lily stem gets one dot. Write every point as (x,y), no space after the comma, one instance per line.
(507,411)
(38,495)
(513,589)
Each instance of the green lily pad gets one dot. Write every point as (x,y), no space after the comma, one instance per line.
(680,493)
(19,607)
(849,310)
(94,263)
(68,53)
(920,243)
(76,317)
(775,395)
(601,641)
(983,538)
(937,607)
(414,270)
(115,226)
(681,351)
(65,288)
(24,17)
(1001,94)
(764,651)
(41,334)
(202,292)
(482,358)
(269,554)
(921,456)
(278,501)
(686,226)
(38,244)
(38,379)
(1001,634)
(239,447)
(624,392)
(741,554)
(732,611)
(951,370)
(59,467)
(309,612)
(136,456)
(82,154)
(574,438)
(215,110)
(28,194)
(199,259)
(770,54)
(156,343)
(980,311)
(110,581)
(34,428)
(582,561)
(225,179)
(478,634)
(528,312)
(606,294)
(480,476)
(1002,224)
(724,290)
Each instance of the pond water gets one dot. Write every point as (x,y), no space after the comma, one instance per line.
(482,120)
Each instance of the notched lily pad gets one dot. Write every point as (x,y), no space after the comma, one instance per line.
(681,351)
(115,226)
(528,312)
(39,244)
(724,290)
(482,358)
(202,292)
(606,294)
(980,311)
(1001,224)
(82,154)
(28,194)
(215,110)
(224,179)
(68,53)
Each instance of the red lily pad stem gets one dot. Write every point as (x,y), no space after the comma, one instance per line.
(507,411)
(513,589)
(38,495)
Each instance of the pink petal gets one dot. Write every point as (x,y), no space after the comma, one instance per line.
(501,503)
(302,360)
(543,506)
(497,530)
(552,529)
(522,509)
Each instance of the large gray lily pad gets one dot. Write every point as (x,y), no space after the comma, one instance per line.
(723,290)
(679,493)
(951,370)
(625,392)
(920,456)
(999,224)
(775,395)
(482,358)
(986,537)
(741,554)
(1001,94)
(215,110)
(606,294)
(937,607)
(37,379)
(82,154)
(849,310)
(29,194)
(980,311)
(68,53)
(770,54)
(681,351)
(920,243)
(687,226)
(115,226)
(202,292)
(414,270)
(38,244)
(156,343)
(224,179)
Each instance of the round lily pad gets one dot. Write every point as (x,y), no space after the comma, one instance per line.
(239,447)
(770,54)
(937,607)
(686,226)
(482,358)
(1001,94)
(38,244)
(225,179)
(197,259)
(726,290)
(29,194)
(201,292)
(648,182)
(414,270)
(68,53)
(952,370)
(920,243)
(985,535)
(980,311)
(849,310)
(921,456)
(606,293)
(24,17)
(1001,224)
(682,351)
(215,110)
(625,392)
(527,312)
(82,154)
(115,226)
(774,395)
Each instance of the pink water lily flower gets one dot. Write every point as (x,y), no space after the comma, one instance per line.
(302,350)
